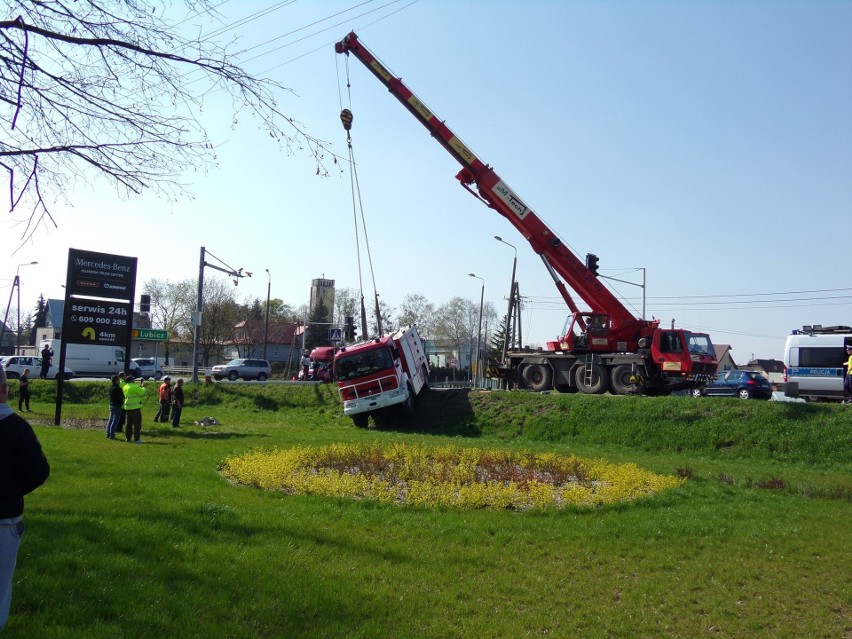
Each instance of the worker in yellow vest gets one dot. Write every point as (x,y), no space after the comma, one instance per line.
(133,396)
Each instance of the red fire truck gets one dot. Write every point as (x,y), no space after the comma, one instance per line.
(383,374)
(604,348)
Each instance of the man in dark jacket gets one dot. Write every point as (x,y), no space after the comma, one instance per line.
(23,468)
(46,360)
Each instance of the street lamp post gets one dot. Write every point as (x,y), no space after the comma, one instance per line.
(16,284)
(266,325)
(479,336)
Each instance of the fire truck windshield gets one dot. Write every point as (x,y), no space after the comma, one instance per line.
(699,344)
(363,363)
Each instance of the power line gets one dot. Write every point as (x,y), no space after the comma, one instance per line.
(818,290)
(325,46)
(302,28)
(311,35)
(708,300)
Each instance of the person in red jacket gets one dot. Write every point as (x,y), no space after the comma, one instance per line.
(23,468)
(165,396)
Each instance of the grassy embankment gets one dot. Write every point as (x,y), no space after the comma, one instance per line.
(139,541)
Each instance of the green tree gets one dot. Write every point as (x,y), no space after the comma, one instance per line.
(387,312)
(495,344)
(457,323)
(172,305)
(416,309)
(255,309)
(39,319)
(220,315)
(317,330)
(347,303)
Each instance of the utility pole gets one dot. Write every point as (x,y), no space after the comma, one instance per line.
(196,316)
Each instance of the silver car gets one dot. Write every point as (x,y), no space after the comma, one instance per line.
(258,369)
(16,364)
(148,368)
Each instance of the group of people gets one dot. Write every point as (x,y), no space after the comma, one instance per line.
(125,405)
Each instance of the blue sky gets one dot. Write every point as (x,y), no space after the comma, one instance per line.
(709,143)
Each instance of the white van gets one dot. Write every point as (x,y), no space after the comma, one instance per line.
(91,360)
(813,359)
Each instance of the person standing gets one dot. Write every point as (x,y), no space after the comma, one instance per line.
(177,402)
(306,365)
(165,396)
(24,391)
(122,418)
(46,360)
(133,396)
(116,406)
(847,380)
(23,468)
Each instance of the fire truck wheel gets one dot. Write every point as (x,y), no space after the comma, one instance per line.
(408,405)
(360,420)
(622,381)
(538,377)
(597,381)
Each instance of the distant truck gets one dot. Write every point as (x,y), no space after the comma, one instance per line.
(91,360)
(322,364)
(380,375)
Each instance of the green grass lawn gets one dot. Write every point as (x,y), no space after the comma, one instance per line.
(149,541)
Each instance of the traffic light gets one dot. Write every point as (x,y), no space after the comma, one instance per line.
(349,329)
(592,263)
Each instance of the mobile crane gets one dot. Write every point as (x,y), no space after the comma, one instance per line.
(605,348)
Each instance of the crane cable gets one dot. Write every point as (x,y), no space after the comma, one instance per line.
(346,118)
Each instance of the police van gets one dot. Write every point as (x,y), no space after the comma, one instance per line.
(813,362)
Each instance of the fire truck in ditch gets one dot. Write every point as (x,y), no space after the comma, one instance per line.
(377,376)
(604,348)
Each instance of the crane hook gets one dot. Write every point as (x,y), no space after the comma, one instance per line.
(346,119)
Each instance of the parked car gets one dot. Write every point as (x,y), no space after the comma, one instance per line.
(742,384)
(258,369)
(15,365)
(148,368)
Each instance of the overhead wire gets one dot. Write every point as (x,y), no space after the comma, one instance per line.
(328,28)
(285,3)
(327,44)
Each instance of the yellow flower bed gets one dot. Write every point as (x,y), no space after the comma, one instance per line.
(447,475)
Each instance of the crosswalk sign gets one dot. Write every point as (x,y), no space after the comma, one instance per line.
(335,334)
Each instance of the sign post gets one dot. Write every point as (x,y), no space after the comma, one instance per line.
(149,334)
(99,293)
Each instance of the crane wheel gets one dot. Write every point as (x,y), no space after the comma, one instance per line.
(595,384)
(622,380)
(538,377)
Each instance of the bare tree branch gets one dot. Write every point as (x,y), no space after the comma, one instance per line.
(109,88)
